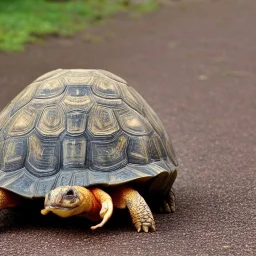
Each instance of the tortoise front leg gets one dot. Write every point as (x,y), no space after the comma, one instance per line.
(8,200)
(106,206)
(140,212)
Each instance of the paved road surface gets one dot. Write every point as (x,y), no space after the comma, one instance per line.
(196,65)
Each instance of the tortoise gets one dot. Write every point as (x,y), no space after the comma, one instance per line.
(86,142)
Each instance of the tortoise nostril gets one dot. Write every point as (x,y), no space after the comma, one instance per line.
(70,192)
(70,196)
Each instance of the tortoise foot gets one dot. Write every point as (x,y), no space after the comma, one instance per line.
(140,212)
(168,204)
(145,224)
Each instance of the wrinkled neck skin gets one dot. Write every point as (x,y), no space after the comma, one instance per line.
(87,203)
(87,200)
(91,205)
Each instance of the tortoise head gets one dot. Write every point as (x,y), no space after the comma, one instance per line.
(67,201)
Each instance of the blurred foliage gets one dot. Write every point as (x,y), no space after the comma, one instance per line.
(24,21)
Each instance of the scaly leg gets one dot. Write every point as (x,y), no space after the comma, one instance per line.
(140,212)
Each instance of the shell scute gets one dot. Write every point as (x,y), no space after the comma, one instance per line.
(138,150)
(14,154)
(132,122)
(121,176)
(21,123)
(170,151)
(78,98)
(38,105)
(155,147)
(52,121)
(102,121)
(50,88)
(88,80)
(8,177)
(5,115)
(108,155)
(154,121)
(43,156)
(98,177)
(23,183)
(76,122)
(131,100)
(64,179)
(44,185)
(24,97)
(74,152)
(80,178)
(106,88)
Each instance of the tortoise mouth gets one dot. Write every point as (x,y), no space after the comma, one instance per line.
(64,204)
(60,210)
(60,207)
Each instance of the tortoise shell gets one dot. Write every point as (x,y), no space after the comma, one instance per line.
(80,127)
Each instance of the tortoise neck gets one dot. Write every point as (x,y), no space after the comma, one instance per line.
(90,206)
(87,199)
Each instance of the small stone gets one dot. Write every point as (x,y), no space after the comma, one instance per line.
(203,78)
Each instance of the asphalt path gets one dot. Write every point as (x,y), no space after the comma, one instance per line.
(195,63)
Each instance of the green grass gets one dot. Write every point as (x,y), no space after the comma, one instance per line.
(26,21)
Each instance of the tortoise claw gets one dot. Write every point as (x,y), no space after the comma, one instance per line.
(145,227)
(138,226)
(167,208)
